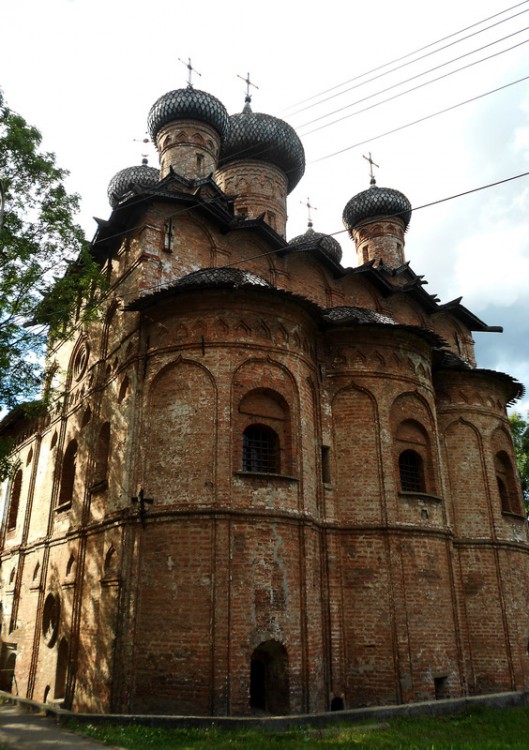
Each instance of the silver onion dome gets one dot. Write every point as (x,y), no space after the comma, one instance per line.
(141,176)
(312,240)
(187,104)
(376,201)
(261,137)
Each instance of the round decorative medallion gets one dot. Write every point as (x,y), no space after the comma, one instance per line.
(81,360)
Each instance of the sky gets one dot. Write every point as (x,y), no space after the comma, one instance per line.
(344,75)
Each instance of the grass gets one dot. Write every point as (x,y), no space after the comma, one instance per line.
(483,729)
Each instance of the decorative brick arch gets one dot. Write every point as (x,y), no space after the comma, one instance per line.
(264,393)
(415,446)
(181,434)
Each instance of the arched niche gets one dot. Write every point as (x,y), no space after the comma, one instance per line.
(180,438)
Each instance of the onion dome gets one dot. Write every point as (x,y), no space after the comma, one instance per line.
(376,201)
(234,277)
(187,104)
(261,137)
(141,176)
(312,240)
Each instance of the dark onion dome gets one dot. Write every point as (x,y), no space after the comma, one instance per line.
(312,240)
(143,176)
(261,137)
(187,104)
(234,277)
(376,201)
(359,315)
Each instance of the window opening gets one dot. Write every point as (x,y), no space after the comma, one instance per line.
(326,464)
(68,473)
(441,687)
(15,501)
(168,235)
(411,472)
(260,450)
(62,670)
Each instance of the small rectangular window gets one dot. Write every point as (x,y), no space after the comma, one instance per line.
(326,464)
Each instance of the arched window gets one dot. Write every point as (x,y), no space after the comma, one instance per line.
(507,486)
(411,471)
(413,459)
(102,454)
(265,433)
(14,501)
(260,449)
(68,473)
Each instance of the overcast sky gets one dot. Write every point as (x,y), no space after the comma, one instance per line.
(86,73)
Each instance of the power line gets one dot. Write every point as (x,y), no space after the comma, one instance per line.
(413,78)
(421,119)
(241,261)
(409,54)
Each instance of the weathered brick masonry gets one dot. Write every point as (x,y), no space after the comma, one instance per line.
(273,484)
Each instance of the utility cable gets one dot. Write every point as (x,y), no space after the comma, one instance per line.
(413,78)
(421,119)
(409,54)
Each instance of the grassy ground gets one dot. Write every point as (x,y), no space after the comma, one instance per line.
(483,729)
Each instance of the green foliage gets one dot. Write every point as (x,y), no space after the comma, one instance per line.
(46,270)
(520,435)
(483,729)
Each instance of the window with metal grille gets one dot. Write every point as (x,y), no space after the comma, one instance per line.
(411,472)
(260,450)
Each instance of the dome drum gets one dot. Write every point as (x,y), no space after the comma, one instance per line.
(191,148)
(259,189)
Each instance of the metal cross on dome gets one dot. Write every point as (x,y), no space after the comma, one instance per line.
(145,157)
(309,206)
(190,69)
(248,84)
(371,165)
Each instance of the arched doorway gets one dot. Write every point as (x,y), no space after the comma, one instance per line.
(7,675)
(269,679)
(62,670)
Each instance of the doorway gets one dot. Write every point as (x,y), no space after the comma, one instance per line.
(269,687)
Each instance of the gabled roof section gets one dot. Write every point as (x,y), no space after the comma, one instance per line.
(404,280)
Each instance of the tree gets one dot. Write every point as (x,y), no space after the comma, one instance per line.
(520,435)
(46,270)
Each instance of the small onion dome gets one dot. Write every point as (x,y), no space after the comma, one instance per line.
(187,104)
(234,277)
(376,201)
(312,240)
(143,176)
(261,137)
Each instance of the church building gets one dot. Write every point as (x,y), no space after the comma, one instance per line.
(269,483)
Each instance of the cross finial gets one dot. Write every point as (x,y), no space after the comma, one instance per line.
(371,165)
(309,206)
(190,69)
(248,83)
(145,159)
